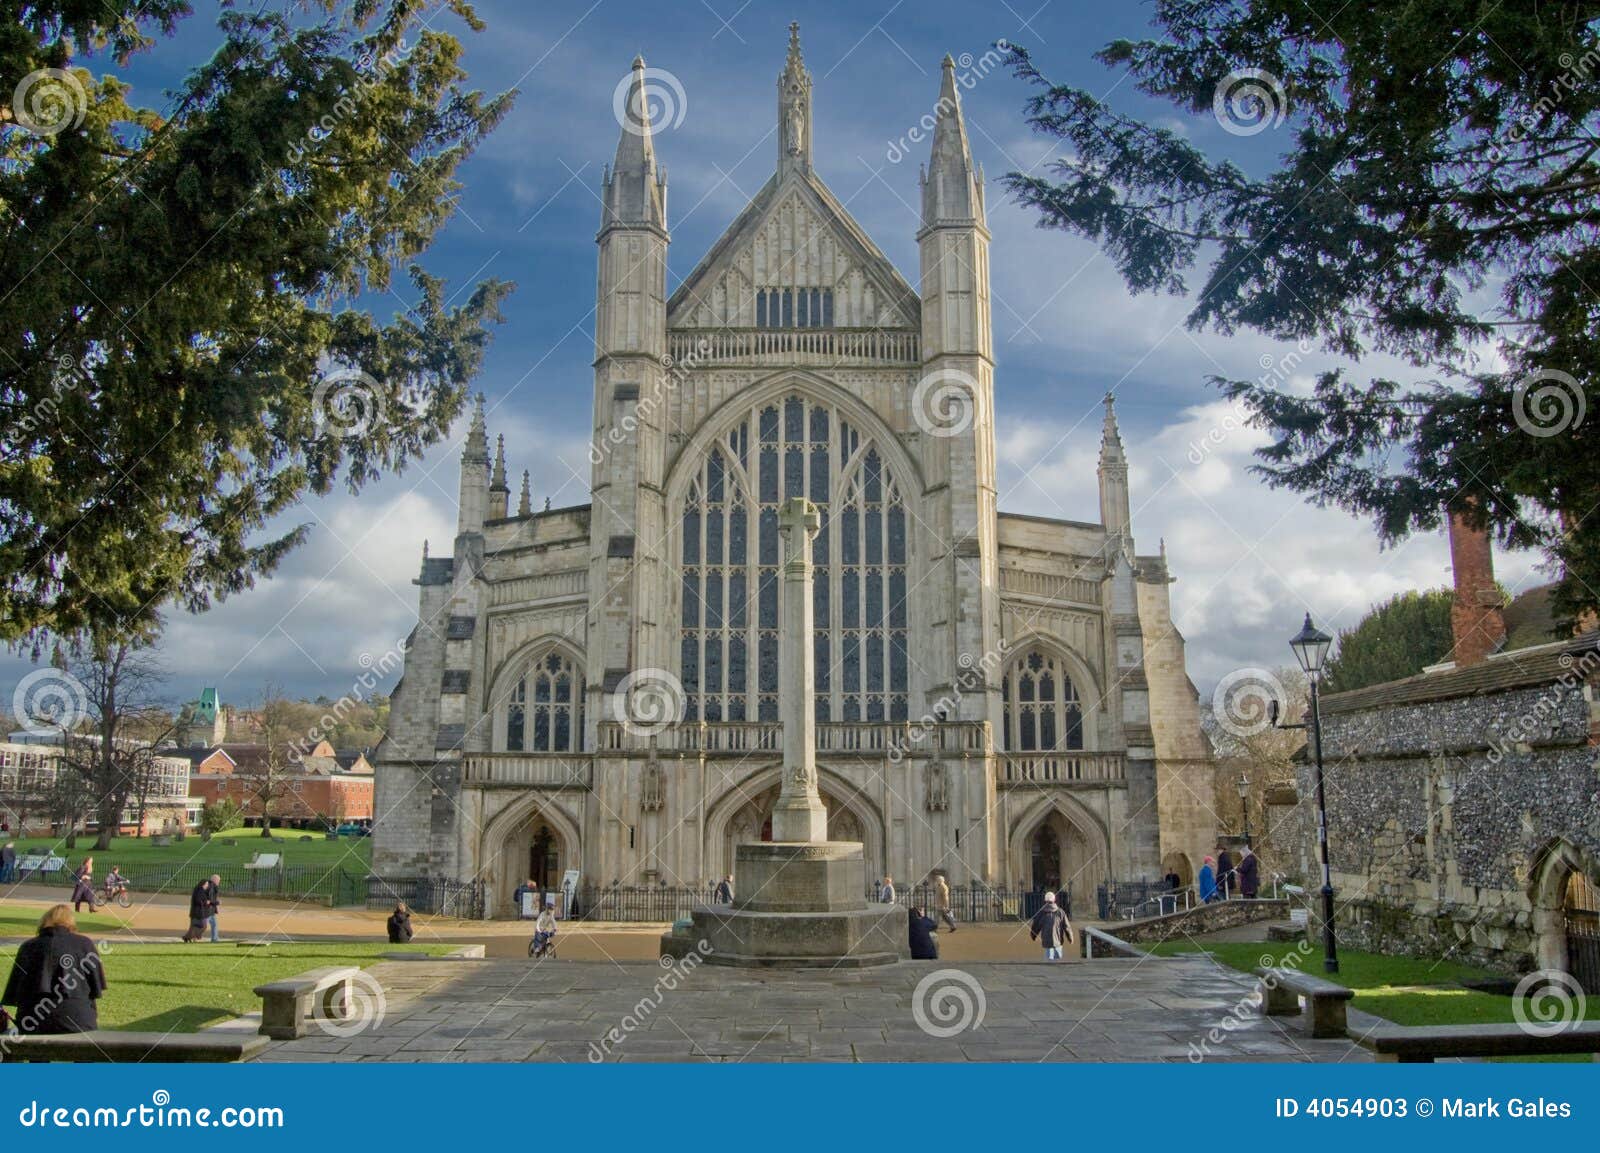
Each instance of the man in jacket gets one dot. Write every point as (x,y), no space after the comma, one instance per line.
(1225,877)
(886,890)
(8,864)
(203,905)
(1051,928)
(941,901)
(724,894)
(56,978)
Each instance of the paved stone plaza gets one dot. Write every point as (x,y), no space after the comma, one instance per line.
(1110,1010)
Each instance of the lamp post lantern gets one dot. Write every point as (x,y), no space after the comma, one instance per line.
(1310,647)
(1243,785)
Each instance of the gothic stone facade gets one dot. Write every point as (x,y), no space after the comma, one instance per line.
(1464,808)
(999,697)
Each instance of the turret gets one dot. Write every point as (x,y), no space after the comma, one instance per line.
(1115,513)
(474,503)
(499,493)
(525,502)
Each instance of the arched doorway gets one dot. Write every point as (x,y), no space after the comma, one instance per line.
(1566,913)
(1178,864)
(1045,858)
(535,848)
(743,815)
(1057,844)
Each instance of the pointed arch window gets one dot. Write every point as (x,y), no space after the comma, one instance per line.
(731,612)
(1040,704)
(544,712)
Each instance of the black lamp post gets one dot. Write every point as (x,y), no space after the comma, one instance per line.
(1311,649)
(1243,785)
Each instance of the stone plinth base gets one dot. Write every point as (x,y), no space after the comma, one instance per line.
(799,905)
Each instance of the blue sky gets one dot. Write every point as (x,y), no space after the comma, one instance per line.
(1249,562)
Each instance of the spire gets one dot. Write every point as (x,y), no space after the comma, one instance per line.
(952,188)
(477,450)
(635,192)
(1110,438)
(499,482)
(794,109)
(1115,503)
(525,503)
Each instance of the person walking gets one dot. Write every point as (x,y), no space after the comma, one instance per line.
(1225,877)
(1249,870)
(1051,928)
(724,893)
(203,908)
(8,863)
(56,978)
(922,929)
(886,890)
(1208,881)
(941,900)
(215,884)
(400,931)
(83,886)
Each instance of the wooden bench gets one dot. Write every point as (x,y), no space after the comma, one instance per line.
(1281,990)
(287,1005)
(113,1045)
(1422,1043)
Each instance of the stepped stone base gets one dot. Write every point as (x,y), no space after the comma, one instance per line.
(800,905)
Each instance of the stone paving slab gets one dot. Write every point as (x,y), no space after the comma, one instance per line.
(1151,1009)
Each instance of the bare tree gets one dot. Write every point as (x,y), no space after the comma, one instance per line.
(111,749)
(264,780)
(1248,745)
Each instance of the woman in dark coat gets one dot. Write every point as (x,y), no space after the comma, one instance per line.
(400,925)
(1249,871)
(56,978)
(922,929)
(83,886)
(202,905)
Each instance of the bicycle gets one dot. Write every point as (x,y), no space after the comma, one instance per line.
(106,894)
(546,952)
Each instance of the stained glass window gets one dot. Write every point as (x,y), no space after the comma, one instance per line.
(731,611)
(1042,710)
(544,713)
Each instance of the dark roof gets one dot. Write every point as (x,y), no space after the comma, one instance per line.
(1510,669)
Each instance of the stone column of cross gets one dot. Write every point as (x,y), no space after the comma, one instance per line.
(799,815)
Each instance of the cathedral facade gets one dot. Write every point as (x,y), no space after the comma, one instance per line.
(1000,698)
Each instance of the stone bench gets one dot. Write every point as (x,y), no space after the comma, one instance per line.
(113,1045)
(287,1005)
(1281,990)
(1422,1043)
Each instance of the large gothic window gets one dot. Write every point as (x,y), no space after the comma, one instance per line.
(732,556)
(544,713)
(1042,711)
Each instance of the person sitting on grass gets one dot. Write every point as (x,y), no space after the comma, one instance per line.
(400,932)
(56,978)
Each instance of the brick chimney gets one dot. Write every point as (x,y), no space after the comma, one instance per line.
(1477,623)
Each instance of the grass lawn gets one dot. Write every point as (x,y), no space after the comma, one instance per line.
(186,987)
(354,853)
(1406,990)
(25,922)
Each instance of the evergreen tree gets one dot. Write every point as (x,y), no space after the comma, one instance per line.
(1398,638)
(1435,199)
(187,354)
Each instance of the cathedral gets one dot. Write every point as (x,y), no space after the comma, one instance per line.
(998,698)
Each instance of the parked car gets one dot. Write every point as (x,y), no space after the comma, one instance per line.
(355,829)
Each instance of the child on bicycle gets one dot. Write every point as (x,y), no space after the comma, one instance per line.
(544,930)
(115,882)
